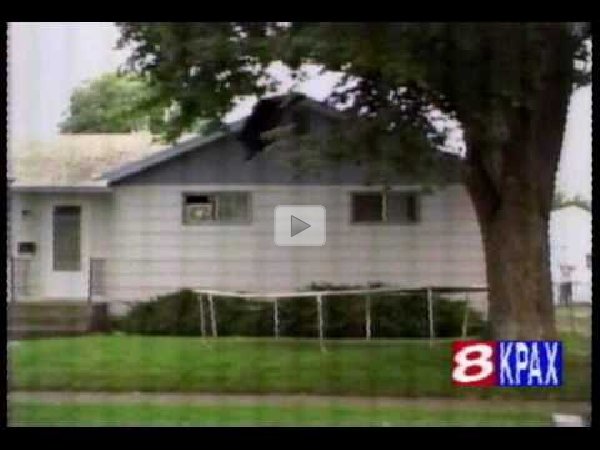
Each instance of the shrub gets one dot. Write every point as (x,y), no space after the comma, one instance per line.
(172,314)
(395,315)
(298,317)
(239,317)
(392,316)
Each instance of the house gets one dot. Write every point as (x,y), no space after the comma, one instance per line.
(571,254)
(200,214)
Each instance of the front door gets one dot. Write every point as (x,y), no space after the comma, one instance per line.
(67,275)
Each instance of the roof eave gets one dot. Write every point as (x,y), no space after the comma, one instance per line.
(32,188)
(133,168)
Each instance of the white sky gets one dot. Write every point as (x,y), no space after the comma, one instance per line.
(47,60)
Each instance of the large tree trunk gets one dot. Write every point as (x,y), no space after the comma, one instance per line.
(517,258)
(513,209)
(512,186)
(511,182)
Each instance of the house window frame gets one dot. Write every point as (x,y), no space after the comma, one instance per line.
(217,221)
(384,208)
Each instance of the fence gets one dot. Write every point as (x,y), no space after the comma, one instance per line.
(21,277)
(576,292)
(321,296)
(25,278)
(97,278)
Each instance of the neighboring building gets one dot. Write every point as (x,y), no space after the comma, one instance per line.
(571,254)
(200,214)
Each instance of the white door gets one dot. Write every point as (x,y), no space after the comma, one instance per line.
(66,263)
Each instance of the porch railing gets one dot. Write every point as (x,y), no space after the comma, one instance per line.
(21,277)
(573,292)
(97,278)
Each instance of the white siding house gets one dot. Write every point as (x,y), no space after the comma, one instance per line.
(130,227)
(571,254)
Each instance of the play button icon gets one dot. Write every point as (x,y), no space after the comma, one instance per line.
(300,225)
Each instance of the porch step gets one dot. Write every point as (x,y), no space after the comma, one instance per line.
(37,319)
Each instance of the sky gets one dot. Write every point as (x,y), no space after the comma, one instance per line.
(46,61)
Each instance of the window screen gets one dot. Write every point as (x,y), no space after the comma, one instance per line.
(67,238)
(233,207)
(402,207)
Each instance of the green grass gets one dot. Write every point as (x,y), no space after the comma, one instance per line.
(245,365)
(575,319)
(94,414)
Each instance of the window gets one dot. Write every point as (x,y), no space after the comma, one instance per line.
(26,248)
(367,207)
(588,260)
(67,238)
(391,207)
(216,207)
(402,207)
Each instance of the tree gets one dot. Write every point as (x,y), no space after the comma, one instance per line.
(116,103)
(507,85)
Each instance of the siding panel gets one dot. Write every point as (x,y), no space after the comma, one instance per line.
(153,252)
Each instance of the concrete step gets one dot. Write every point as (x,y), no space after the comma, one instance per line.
(48,313)
(37,319)
(46,327)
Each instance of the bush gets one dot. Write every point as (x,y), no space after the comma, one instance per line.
(179,314)
(298,317)
(392,316)
(172,314)
(239,317)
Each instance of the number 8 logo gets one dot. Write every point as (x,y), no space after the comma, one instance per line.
(469,355)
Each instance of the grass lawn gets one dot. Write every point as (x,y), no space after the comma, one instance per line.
(247,365)
(97,414)
(574,319)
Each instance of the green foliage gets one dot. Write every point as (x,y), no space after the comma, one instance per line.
(173,314)
(475,71)
(117,103)
(489,77)
(343,316)
(108,105)
(239,317)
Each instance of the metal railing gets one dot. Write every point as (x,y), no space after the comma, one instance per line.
(566,293)
(21,277)
(97,278)
(320,297)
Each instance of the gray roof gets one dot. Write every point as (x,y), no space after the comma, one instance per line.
(135,167)
(74,159)
(154,159)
